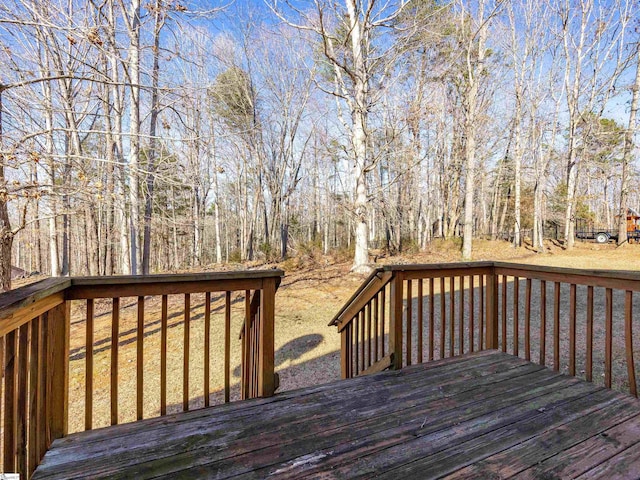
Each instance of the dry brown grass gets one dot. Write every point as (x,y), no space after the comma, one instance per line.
(307,350)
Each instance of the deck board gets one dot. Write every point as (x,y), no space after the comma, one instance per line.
(483,415)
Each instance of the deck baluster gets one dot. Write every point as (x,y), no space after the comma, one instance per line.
(452,314)
(516,315)
(185,352)
(556,327)
(543,321)
(115,340)
(504,313)
(471,313)
(420,322)
(527,321)
(572,329)
(442,316)
(431,318)
(461,316)
(88,399)
(589,325)
(608,349)
(628,327)
(163,355)
(409,336)
(140,360)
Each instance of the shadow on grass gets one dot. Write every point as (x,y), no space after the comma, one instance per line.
(151,328)
(292,350)
(316,371)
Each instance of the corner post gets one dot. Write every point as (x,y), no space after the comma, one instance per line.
(266,376)
(395,320)
(59,326)
(491,339)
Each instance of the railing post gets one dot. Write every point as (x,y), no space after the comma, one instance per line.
(395,320)
(492,310)
(345,358)
(59,325)
(266,377)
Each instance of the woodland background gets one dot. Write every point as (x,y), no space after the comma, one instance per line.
(148,137)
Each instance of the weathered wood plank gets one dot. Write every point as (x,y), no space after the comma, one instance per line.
(368,456)
(452,378)
(224,445)
(537,449)
(421,421)
(360,453)
(20,316)
(133,286)
(587,454)
(462,368)
(465,453)
(363,296)
(25,297)
(379,366)
(622,466)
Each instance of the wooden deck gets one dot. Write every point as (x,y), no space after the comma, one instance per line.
(484,415)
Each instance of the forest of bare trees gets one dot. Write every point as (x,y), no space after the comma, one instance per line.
(141,137)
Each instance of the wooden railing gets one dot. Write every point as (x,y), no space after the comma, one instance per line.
(579,322)
(52,365)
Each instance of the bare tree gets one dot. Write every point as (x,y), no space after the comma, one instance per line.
(347,35)
(628,148)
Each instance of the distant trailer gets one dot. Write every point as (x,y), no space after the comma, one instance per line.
(587,231)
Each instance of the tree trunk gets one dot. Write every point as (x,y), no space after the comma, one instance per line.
(359,140)
(475,72)
(134,132)
(153,122)
(626,157)
(6,235)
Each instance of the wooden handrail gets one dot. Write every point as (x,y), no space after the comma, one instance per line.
(35,324)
